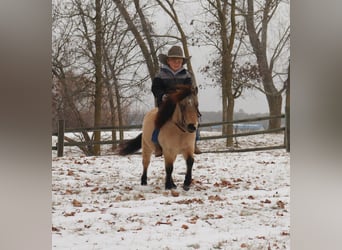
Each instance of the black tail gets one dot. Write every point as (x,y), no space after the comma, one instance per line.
(130,146)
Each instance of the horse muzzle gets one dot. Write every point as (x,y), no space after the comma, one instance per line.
(191,128)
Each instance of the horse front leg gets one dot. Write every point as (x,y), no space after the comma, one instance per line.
(188,175)
(169,184)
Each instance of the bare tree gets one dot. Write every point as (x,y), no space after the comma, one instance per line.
(91,41)
(70,91)
(287,110)
(147,48)
(169,7)
(98,75)
(258,35)
(220,34)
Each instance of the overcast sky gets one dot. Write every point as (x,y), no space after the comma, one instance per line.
(209,97)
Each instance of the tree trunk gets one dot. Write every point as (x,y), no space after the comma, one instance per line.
(227,76)
(259,45)
(287,112)
(133,28)
(98,76)
(112,112)
(89,150)
(119,108)
(274,105)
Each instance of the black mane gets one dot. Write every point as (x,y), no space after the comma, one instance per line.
(166,109)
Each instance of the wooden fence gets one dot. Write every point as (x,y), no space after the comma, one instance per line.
(286,131)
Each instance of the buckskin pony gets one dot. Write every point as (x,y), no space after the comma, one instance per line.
(177,119)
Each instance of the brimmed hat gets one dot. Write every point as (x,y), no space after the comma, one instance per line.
(174,51)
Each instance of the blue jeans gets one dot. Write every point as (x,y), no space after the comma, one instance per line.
(155,135)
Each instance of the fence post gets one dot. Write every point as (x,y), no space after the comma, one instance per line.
(287,112)
(287,131)
(60,142)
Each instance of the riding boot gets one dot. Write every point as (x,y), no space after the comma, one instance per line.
(197,150)
(158,150)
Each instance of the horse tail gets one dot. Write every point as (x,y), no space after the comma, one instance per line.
(130,146)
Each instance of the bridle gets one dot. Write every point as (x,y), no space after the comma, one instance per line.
(181,124)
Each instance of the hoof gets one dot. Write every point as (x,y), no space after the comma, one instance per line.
(170,186)
(186,187)
(144,180)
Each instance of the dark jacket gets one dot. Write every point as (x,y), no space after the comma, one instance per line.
(167,80)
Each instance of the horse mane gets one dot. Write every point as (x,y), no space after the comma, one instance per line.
(167,107)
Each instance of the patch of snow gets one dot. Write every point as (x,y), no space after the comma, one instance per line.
(236,201)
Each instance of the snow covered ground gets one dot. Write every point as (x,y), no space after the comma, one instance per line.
(236,201)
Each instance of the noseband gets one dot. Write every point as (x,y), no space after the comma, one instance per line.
(181,124)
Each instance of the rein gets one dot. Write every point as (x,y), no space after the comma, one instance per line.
(180,127)
(179,124)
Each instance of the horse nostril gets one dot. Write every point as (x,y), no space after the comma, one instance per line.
(191,128)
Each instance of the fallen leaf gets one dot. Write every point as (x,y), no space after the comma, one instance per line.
(174,193)
(193,220)
(139,197)
(68,191)
(281,204)
(88,210)
(69,214)
(184,226)
(237,180)
(163,223)
(76,203)
(261,237)
(189,201)
(215,198)
(266,201)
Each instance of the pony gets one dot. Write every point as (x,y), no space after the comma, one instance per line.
(177,118)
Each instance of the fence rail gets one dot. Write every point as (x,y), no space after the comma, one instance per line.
(62,130)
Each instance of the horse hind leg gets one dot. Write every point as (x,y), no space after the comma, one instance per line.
(188,175)
(145,162)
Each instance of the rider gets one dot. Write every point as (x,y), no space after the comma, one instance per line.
(171,73)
